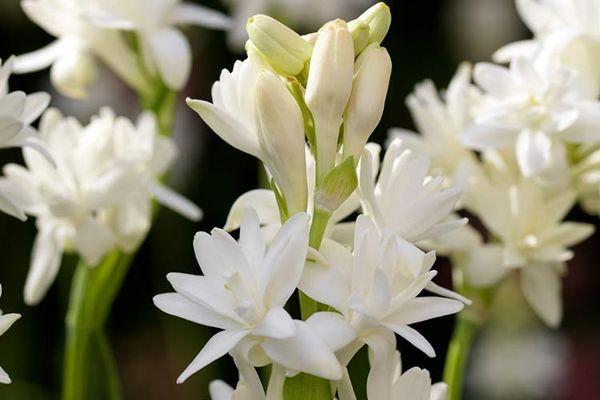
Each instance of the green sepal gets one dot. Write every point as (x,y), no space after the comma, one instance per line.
(337,186)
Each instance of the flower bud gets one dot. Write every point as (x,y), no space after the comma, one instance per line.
(328,89)
(379,19)
(360,35)
(371,79)
(281,137)
(284,49)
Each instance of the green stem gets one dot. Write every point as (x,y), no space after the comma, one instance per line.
(304,386)
(458,353)
(94,290)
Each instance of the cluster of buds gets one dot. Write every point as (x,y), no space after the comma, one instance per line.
(328,87)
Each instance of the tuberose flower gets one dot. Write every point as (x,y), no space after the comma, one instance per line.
(6,321)
(242,291)
(97,195)
(405,199)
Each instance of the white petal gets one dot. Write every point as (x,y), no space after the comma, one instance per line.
(284,261)
(542,288)
(45,262)
(218,345)
(172,55)
(194,14)
(218,255)
(7,204)
(261,200)
(182,307)
(176,202)
(220,390)
(442,291)
(306,352)
(413,384)
(35,104)
(493,78)
(93,240)
(481,136)
(422,309)
(9,128)
(39,59)
(276,324)
(332,328)
(414,337)
(484,266)
(439,391)
(227,127)
(587,126)
(533,152)
(7,320)
(4,378)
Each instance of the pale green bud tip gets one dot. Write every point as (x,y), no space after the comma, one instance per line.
(337,186)
(284,49)
(379,19)
(360,35)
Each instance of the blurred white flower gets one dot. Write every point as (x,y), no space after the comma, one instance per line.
(6,321)
(98,194)
(440,119)
(243,291)
(405,199)
(164,47)
(586,173)
(565,33)
(17,111)
(73,54)
(530,108)
(386,380)
(376,286)
(530,237)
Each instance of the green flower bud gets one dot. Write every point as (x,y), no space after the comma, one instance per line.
(379,19)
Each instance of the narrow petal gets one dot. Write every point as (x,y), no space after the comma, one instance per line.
(218,345)
(220,390)
(176,202)
(7,320)
(542,288)
(45,262)
(261,200)
(180,306)
(422,309)
(533,152)
(414,337)
(484,266)
(276,324)
(4,378)
(332,328)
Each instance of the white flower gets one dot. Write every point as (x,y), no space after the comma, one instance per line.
(164,47)
(531,238)
(529,108)
(376,286)
(586,172)
(6,321)
(440,121)
(72,55)
(98,194)
(405,199)
(17,112)
(243,291)
(565,33)
(386,380)
(253,111)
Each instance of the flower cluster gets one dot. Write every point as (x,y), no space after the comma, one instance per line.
(523,143)
(95,193)
(100,29)
(305,106)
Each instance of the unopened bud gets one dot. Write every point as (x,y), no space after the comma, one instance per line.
(281,136)
(73,72)
(285,50)
(328,89)
(360,35)
(371,80)
(379,19)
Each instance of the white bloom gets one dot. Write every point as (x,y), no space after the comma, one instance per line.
(586,172)
(440,121)
(17,112)
(387,381)
(529,108)
(405,199)
(531,238)
(328,89)
(6,321)
(243,291)
(565,33)
(376,286)
(98,194)
(253,111)
(72,54)
(164,47)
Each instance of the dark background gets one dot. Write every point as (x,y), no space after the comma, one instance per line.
(427,40)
